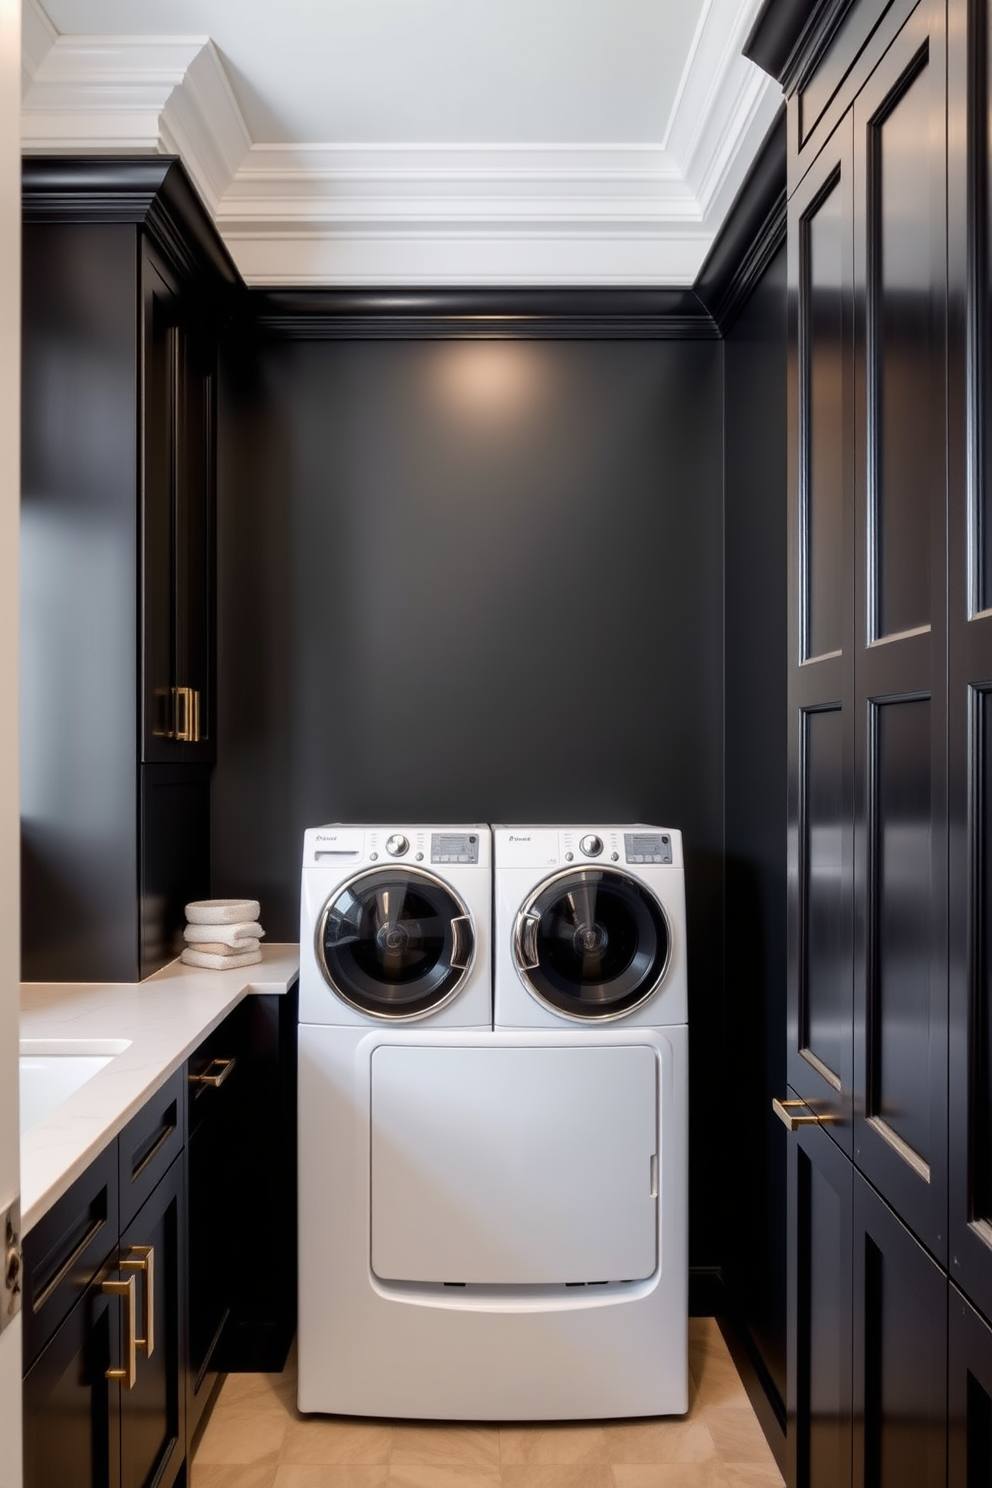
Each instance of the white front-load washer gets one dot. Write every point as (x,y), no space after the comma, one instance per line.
(395,961)
(590,977)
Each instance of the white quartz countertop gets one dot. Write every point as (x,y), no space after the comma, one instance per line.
(164,1018)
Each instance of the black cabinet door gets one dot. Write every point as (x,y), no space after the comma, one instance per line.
(215,1104)
(900,1353)
(821,609)
(152,1413)
(969,1395)
(71,1409)
(177,514)
(970,663)
(820,1312)
(900,811)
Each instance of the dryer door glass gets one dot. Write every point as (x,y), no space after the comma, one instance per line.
(593,943)
(395,943)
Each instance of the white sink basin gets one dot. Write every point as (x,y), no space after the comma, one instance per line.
(53,1069)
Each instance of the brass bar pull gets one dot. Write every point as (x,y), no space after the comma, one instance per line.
(226,1067)
(142,1258)
(183,730)
(129,1374)
(783,1110)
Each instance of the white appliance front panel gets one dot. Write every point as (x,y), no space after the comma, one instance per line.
(514,1166)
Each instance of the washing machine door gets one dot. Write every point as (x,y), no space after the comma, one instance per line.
(395,943)
(592,943)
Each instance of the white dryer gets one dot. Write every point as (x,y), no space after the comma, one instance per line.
(590,974)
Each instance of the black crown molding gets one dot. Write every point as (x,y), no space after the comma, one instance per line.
(751,235)
(155,192)
(480,314)
(150,191)
(789,37)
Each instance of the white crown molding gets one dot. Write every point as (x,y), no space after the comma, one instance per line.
(421,214)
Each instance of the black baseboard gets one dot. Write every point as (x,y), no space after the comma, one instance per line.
(708,1297)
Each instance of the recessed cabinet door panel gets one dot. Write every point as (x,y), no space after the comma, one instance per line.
(903,336)
(900,1353)
(900,745)
(901,929)
(826,983)
(826,250)
(514,1166)
(821,253)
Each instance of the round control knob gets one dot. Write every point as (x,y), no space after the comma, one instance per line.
(397,845)
(592,846)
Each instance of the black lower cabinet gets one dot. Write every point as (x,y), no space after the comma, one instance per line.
(215,1076)
(969,1395)
(105,1320)
(868,1317)
(820,1297)
(71,1408)
(900,1352)
(152,1413)
(241,1164)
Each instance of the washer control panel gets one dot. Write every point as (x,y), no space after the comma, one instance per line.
(454,847)
(647,847)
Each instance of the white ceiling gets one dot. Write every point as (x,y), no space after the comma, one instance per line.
(421,141)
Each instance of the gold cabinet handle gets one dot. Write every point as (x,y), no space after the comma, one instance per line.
(226,1067)
(187,701)
(142,1258)
(129,1374)
(783,1110)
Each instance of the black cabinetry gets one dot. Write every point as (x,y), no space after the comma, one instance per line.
(241,1161)
(105,1316)
(125,288)
(181,1233)
(887,846)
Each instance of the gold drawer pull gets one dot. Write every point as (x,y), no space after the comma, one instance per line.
(226,1067)
(783,1110)
(129,1374)
(145,1263)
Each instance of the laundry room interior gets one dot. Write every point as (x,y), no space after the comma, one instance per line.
(637,512)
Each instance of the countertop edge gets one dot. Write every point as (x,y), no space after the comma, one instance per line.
(164,1018)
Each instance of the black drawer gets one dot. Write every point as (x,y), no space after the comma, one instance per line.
(64,1250)
(149,1143)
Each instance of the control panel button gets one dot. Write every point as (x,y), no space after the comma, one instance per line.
(592,846)
(397,845)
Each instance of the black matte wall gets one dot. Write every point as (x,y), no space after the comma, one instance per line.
(483,581)
(753,1245)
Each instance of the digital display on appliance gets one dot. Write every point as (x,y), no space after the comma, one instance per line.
(647,847)
(454,847)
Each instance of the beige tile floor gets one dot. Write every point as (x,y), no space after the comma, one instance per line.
(256,1438)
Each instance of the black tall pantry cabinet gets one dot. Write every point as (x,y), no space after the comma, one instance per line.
(890,676)
(125,284)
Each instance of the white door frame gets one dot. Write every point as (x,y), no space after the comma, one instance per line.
(10,440)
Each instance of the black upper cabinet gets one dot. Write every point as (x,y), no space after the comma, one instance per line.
(125,289)
(821,668)
(177,482)
(900,586)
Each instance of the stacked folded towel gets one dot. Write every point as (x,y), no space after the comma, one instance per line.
(222,933)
